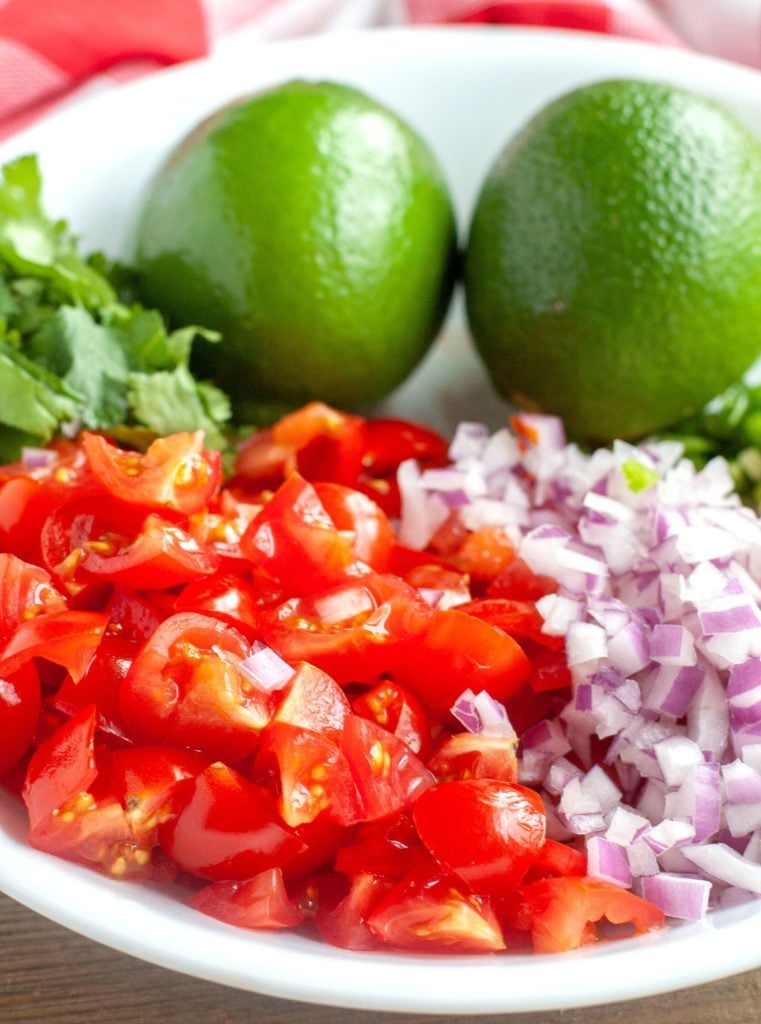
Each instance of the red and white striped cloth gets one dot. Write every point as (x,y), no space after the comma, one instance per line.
(53,51)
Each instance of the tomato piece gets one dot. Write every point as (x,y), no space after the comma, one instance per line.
(81,545)
(323,837)
(220,527)
(354,632)
(396,709)
(485,553)
(100,685)
(389,847)
(335,457)
(260,902)
(466,755)
(440,586)
(261,463)
(26,591)
(549,667)
(563,911)
(136,615)
(485,831)
(354,512)
(69,639)
(310,774)
(431,909)
(518,618)
(315,419)
(294,541)
(28,496)
(62,767)
(556,858)
(341,916)
(388,776)
(224,828)
(186,687)
(175,473)
(458,652)
(389,442)
(19,711)
(227,597)
(519,583)
(69,814)
(313,701)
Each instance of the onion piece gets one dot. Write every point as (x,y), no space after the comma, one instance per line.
(677,895)
(266,669)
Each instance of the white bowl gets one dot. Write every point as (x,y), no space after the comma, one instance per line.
(466,90)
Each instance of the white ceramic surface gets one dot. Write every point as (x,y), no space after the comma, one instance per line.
(466,90)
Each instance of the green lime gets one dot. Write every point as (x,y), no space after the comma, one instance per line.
(613,271)
(314,229)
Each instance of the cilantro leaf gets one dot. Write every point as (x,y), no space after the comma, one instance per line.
(75,346)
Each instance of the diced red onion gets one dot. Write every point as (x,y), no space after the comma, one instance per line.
(480,713)
(626,827)
(668,833)
(677,756)
(742,819)
(642,860)
(742,784)
(37,458)
(672,644)
(608,862)
(658,601)
(723,863)
(678,896)
(266,669)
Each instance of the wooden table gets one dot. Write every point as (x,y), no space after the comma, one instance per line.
(51,976)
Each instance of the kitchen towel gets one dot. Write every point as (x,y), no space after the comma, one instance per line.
(54,52)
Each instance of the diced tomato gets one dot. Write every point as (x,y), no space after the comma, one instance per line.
(518,618)
(396,709)
(100,685)
(258,902)
(388,776)
(313,701)
(389,847)
(519,583)
(19,711)
(185,687)
(227,597)
(466,755)
(224,828)
(389,442)
(26,591)
(430,909)
(175,473)
(343,910)
(563,912)
(69,639)
(484,831)
(456,653)
(442,587)
(485,553)
(352,511)
(70,815)
(294,541)
(556,858)
(310,774)
(355,632)
(549,667)
(135,615)
(82,544)
(145,778)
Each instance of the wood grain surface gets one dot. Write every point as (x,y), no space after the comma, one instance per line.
(49,975)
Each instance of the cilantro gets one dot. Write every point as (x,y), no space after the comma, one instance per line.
(76,348)
(638,476)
